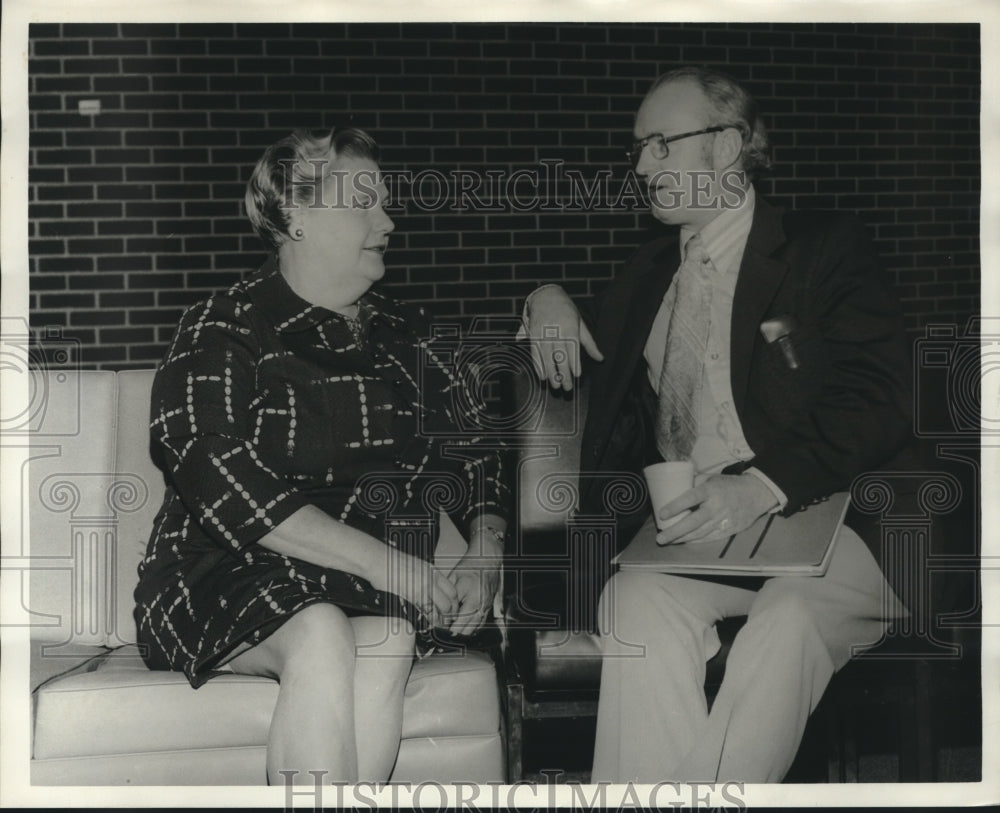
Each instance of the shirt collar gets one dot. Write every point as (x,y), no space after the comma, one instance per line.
(290,313)
(725,237)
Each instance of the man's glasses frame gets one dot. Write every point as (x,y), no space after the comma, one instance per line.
(660,144)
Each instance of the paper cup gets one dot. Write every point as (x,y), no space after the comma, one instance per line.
(666,482)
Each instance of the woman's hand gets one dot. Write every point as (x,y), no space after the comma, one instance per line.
(421,584)
(477,580)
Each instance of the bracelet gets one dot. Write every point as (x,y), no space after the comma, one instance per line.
(498,535)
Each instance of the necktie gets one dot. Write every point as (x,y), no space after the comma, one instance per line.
(684,357)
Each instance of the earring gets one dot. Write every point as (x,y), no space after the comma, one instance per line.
(299,233)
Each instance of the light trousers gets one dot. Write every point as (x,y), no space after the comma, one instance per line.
(658,632)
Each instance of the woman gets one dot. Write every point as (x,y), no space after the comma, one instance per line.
(283,410)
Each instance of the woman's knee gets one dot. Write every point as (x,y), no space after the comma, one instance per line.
(315,633)
(384,637)
(316,637)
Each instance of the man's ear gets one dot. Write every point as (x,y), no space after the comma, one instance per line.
(728,148)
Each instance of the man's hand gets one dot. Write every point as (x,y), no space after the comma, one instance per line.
(723,505)
(550,314)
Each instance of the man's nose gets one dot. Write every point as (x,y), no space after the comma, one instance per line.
(646,165)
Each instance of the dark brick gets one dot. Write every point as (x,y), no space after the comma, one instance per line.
(183,262)
(131,47)
(48,319)
(65,227)
(38,247)
(92,138)
(147,353)
(125,192)
(178,296)
(96,355)
(62,157)
(62,84)
(91,66)
(124,262)
(155,245)
(69,301)
(127,335)
(60,47)
(97,318)
(95,174)
(123,121)
(127,299)
(40,138)
(39,211)
(164,283)
(56,265)
(154,209)
(43,66)
(46,175)
(151,101)
(126,227)
(44,31)
(160,316)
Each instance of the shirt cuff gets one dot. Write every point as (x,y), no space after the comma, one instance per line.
(772,487)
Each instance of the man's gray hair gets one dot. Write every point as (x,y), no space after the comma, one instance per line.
(732,105)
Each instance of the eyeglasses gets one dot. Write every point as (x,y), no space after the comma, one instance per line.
(659,143)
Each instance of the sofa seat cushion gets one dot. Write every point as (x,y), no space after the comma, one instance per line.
(49,661)
(121,707)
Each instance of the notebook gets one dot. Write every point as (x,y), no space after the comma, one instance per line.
(801,544)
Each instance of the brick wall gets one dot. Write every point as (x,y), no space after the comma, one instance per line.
(137,212)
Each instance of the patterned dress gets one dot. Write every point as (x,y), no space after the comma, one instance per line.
(264,404)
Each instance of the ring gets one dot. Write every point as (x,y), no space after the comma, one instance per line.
(558,377)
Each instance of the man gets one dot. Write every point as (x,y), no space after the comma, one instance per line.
(683,371)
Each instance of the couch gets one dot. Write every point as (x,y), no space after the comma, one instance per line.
(100,717)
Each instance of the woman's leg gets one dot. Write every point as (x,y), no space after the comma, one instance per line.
(312,656)
(384,656)
(328,694)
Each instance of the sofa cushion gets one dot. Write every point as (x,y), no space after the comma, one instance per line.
(48,661)
(471,758)
(69,492)
(452,695)
(207,766)
(141,494)
(122,707)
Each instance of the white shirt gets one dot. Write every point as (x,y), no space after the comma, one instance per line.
(720,440)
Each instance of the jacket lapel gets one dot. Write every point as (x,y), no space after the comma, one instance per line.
(639,306)
(760,276)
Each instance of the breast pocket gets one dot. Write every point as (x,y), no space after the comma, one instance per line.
(797,352)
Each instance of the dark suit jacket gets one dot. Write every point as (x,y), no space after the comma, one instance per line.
(844,411)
